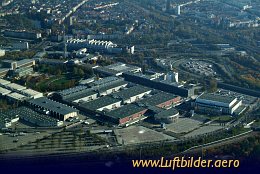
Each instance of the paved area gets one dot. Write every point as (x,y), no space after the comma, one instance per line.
(183,125)
(139,134)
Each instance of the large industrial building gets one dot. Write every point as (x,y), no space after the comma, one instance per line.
(126,115)
(20,68)
(103,103)
(53,108)
(22,34)
(161,100)
(80,94)
(132,94)
(159,84)
(216,104)
(17,93)
(16,97)
(36,118)
(12,65)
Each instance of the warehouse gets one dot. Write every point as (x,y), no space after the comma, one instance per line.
(3,72)
(53,108)
(126,115)
(158,84)
(31,93)
(4,82)
(14,87)
(77,94)
(104,103)
(110,88)
(161,100)
(132,94)
(85,97)
(167,116)
(16,97)
(12,65)
(217,104)
(4,91)
(35,118)
(67,93)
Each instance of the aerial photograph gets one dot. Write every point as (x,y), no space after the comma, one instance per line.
(132,86)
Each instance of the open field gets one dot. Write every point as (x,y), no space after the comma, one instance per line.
(203,130)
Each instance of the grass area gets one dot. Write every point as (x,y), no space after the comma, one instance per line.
(55,83)
(222,118)
(219,118)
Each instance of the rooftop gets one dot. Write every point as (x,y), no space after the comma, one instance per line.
(130,92)
(15,86)
(72,90)
(167,113)
(80,95)
(157,99)
(29,113)
(16,96)
(30,92)
(100,103)
(216,97)
(125,111)
(52,105)
(4,82)
(107,86)
(4,91)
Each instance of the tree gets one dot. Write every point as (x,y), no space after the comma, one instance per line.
(81,73)
(213,86)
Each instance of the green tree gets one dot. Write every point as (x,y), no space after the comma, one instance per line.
(213,86)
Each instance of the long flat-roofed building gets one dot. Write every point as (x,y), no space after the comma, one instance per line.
(12,65)
(4,82)
(132,94)
(55,109)
(126,115)
(161,100)
(4,71)
(217,104)
(36,118)
(31,93)
(77,94)
(110,88)
(4,91)
(14,87)
(14,97)
(156,83)
(103,103)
